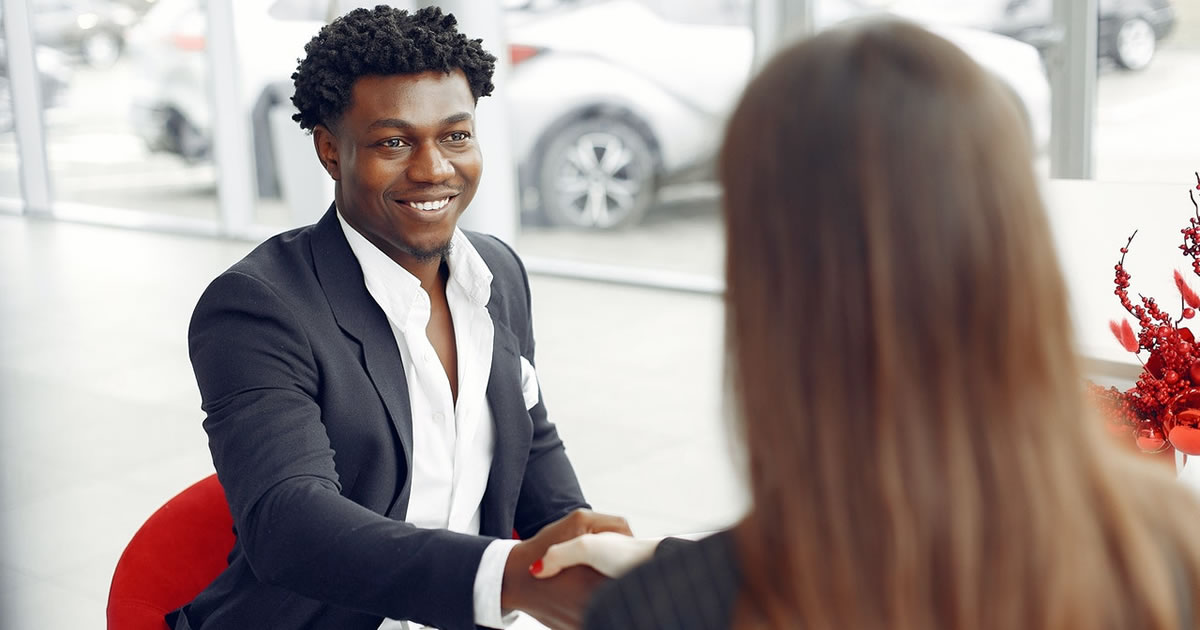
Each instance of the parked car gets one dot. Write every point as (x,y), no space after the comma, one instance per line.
(602,121)
(170,98)
(609,100)
(1129,30)
(89,30)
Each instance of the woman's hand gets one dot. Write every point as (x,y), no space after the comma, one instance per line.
(609,553)
(557,603)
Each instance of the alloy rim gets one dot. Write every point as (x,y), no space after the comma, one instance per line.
(599,183)
(1135,43)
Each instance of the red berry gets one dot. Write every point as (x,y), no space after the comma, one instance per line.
(1189,313)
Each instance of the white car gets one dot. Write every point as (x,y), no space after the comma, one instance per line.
(609,99)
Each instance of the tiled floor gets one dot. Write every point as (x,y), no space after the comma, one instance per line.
(100,418)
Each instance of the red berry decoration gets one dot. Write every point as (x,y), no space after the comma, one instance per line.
(1151,440)
(1185,439)
(1161,410)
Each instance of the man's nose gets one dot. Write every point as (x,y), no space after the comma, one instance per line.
(429,165)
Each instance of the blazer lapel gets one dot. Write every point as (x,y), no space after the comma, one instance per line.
(360,317)
(513,429)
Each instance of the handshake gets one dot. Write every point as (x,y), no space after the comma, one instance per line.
(552,575)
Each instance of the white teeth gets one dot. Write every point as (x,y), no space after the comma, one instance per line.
(430,205)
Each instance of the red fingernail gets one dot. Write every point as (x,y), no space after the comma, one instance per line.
(536,567)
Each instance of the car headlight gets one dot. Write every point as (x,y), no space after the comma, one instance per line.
(87,20)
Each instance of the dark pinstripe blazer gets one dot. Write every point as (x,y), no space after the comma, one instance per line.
(686,586)
(695,586)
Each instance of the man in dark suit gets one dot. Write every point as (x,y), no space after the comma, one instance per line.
(373,408)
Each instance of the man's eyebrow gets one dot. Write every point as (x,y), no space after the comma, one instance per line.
(399,123)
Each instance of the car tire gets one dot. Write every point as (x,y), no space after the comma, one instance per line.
(596,173)
(1135,44)
(185,140)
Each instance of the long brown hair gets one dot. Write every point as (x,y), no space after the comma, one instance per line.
(920,450)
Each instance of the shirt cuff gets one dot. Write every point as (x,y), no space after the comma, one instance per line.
(488,580)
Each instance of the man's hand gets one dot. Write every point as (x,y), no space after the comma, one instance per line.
(557,602)
(609,553)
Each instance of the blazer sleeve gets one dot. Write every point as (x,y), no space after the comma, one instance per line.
(258,382)
(686,586)
(550,488)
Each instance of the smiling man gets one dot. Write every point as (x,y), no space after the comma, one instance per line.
(372,406)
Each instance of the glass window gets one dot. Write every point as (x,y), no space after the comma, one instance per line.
(617,112)
(290,186)
(10,186)
(1146,95)
(125,97)
(1144,131)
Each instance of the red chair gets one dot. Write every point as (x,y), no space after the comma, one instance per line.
(177,552)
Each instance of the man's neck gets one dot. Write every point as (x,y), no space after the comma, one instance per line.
(432,274)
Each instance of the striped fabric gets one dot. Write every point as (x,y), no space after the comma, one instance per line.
(687,586)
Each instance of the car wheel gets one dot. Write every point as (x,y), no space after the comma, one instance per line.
(596,173)
(101,49)
(1135,45)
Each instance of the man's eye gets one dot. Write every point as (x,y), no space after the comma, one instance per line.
(393,143)
(459,136)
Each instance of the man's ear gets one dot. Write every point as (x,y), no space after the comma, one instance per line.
(327,151)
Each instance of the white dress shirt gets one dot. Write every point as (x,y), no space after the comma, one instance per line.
(452,443)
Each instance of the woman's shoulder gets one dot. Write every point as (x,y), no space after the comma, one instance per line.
(687,585)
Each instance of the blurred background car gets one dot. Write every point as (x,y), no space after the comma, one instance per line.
(92,31)
(610,100)
(170,101)
(602,122)
(1129,30)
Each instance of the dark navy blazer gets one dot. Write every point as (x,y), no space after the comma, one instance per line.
(310,429)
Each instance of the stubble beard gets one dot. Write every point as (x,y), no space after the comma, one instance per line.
(430,254)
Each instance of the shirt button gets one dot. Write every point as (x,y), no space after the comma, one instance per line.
(437,417)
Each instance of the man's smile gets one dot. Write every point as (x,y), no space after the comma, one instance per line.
(428,208)
(436,204)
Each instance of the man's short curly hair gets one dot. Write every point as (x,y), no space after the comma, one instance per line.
(382,41)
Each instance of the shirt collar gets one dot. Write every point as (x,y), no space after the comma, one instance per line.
(396,289)
(468,269)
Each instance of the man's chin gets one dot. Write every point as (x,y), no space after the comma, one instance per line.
(426,254)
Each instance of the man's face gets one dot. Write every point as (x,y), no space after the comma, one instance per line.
(406,161)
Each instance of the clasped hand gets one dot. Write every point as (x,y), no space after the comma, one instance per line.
(552,575)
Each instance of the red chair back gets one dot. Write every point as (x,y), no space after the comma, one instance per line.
(175,554)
